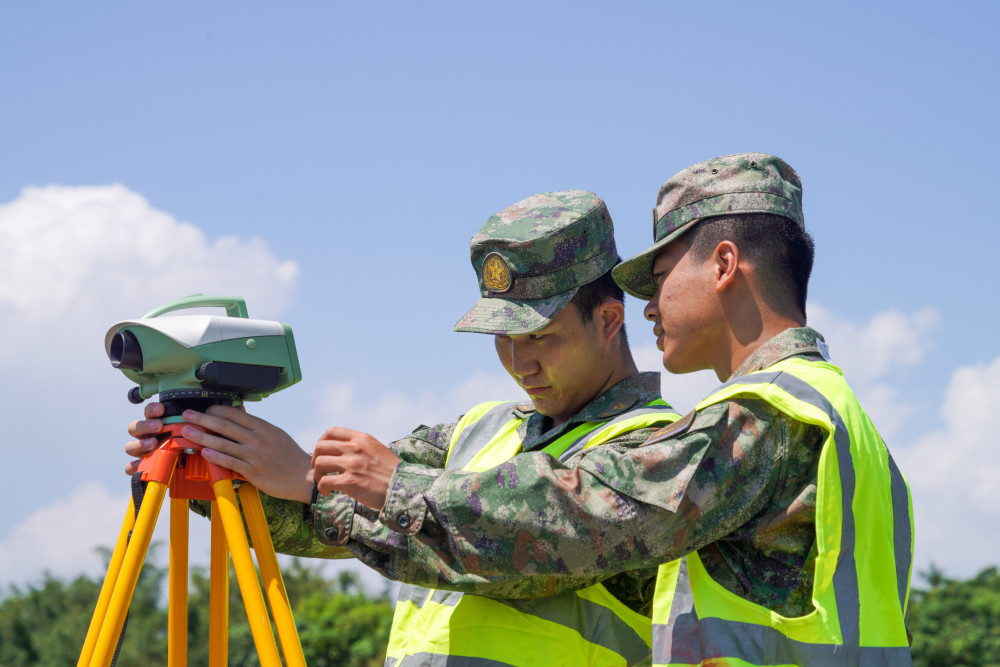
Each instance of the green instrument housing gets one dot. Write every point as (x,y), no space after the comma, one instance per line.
(204,354)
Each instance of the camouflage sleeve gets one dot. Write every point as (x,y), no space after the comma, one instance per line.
(427,557)
(617,509)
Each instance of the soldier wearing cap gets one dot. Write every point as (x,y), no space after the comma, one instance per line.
(782,525)
(557,317)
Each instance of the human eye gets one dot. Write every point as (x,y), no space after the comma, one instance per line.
(536,336)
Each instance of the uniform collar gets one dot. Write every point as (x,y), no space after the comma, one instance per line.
(789,343)
(631,392)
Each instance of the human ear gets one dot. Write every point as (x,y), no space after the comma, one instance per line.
(726,260)
(610,315)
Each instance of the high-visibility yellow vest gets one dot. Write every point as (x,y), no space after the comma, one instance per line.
(864,540)
(585,627)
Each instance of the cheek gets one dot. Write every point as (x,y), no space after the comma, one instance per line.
(572,370)
(503,354)
(680,300)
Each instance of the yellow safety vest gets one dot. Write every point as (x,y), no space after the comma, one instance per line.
(585,627)
(864,540)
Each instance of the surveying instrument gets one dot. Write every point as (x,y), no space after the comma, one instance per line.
(194,362)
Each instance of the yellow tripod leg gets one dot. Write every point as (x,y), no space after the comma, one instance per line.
(277,596)
(246,575)
(104,599)
(177,606)
(135,553)
(218,604)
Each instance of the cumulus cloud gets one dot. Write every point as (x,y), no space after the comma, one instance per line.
(97,253)
(61,538)
(392,415)
(889,341)
(954,474)
(873,355)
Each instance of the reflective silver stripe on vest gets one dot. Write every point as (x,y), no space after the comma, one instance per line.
(418,595)
(433,660)
(763,645)
(902,536)
(607,628)
(611,631)
(580,444)
(488,424)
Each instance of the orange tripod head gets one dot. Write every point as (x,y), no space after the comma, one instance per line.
(193,476)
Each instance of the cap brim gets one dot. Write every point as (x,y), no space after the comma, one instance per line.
(508,317)
(635,275)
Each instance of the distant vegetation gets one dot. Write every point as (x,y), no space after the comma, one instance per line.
(339,623)
(954,623)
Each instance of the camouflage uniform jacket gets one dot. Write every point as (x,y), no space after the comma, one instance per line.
(737,484)
(341,528)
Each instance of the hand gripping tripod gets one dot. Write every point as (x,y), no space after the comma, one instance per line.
(178,465)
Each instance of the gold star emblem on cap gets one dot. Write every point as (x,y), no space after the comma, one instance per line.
(496,273)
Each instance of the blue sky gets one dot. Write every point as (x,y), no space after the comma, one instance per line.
(329,163)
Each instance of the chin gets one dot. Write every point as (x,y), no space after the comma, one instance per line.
(548,410)
(677,366)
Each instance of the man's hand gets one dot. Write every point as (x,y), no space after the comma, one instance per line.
(264,454)
(354,463)
(143,431)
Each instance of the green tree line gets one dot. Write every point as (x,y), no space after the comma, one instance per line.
(955,623)
(339,623)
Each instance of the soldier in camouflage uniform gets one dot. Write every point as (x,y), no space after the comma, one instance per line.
(533,260)
(774,500)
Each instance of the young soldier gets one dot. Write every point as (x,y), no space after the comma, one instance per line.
(784,526)
(544,269)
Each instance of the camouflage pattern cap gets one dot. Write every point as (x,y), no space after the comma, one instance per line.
(532,257)
(743,183)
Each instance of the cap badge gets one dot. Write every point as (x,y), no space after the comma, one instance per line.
(496,273)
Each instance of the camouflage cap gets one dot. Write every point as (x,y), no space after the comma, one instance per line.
(743,183)
(532,257)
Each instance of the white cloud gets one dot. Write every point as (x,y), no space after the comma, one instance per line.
(394,414)
(875,353)
(954,474)
(889,341)
(102,253)
(61,538)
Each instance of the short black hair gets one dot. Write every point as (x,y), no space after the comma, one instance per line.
(596,292)
(781,252)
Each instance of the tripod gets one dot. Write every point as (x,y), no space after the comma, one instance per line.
(178,465)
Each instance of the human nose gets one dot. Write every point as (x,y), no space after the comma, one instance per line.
(522,362)
(652,310)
